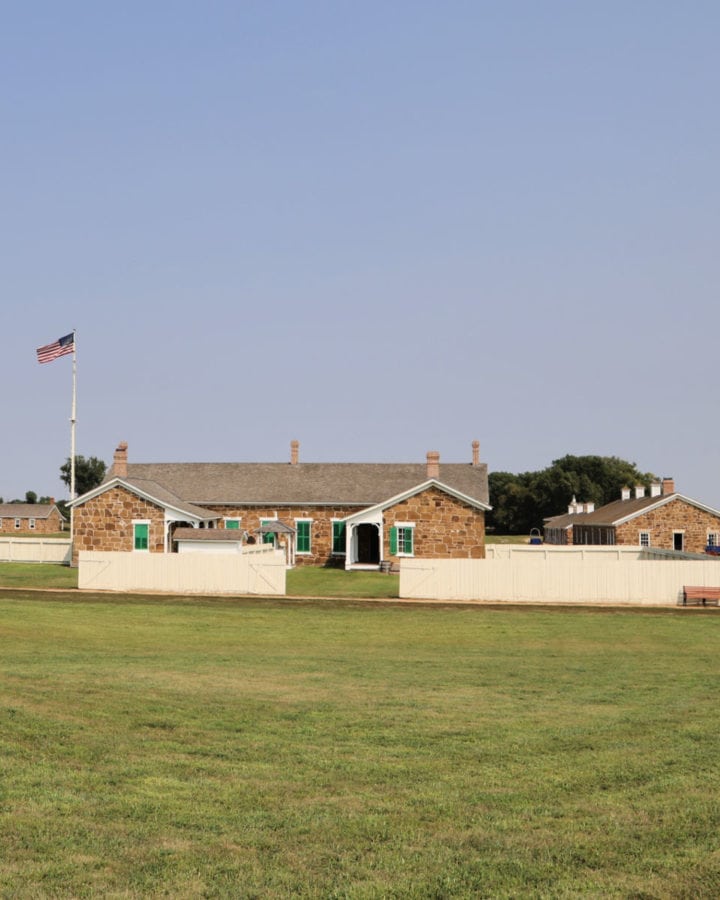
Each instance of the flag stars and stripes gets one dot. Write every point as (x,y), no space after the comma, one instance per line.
(61,347)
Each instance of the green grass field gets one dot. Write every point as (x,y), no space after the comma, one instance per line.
(199,748)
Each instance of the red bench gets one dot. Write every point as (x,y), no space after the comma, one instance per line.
(701,596)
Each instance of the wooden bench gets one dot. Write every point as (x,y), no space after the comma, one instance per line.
(701,596)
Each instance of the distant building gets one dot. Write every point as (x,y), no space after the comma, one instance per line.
(31,518)
(659,518)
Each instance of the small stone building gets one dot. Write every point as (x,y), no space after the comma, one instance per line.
(659,518)
(30,518)
(342,514)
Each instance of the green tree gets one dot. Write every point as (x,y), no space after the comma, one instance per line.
(524,501)
(89,473)
(30,497)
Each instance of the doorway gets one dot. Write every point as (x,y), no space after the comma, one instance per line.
(368,544)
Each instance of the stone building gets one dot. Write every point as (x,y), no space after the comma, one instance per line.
(659,518)
(343,514)
(31,518)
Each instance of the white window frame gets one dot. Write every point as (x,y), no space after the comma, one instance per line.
(713,539)
(31,524)
(644,538)
(140,522)
(303,552)
(411,526)
(17,524)
(681,532)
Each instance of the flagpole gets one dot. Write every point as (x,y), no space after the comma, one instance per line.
(72,429)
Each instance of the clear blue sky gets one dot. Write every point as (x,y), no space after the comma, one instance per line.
(379,228)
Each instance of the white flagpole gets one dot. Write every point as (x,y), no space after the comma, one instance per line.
(72,429)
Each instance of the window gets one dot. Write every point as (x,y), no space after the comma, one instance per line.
(678,540)
(713,539)
(17,524)
(644,538)
(401,539)
(268,537)
(338,538)
(31,524)
(303,535)
(141,533)
(233,524)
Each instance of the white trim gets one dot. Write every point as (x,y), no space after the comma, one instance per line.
(358,517)
(135,522)
(227,519)
(640,538)
(178,511)
(406,526)
(666,499)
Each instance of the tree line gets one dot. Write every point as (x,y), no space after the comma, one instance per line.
(522,502)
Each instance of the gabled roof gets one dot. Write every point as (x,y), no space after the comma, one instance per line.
(620,511)
(347,484)
(151,491)
(419,488)
(27,510)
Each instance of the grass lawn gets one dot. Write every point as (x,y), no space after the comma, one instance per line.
(257,748)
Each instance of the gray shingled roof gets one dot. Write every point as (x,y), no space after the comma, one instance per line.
(159,492)
(349,484)
(26,510)
(608,514)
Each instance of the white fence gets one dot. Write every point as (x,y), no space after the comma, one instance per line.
(40,550)
(597,575)
(254,572)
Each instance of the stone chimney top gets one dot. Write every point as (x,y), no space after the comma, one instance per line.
(294,452)
(639,491)
(668,485)
(433,464)
(120,460)
(476,453)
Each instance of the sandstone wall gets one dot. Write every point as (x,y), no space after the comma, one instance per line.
(105,523)
(677,515)
(445,528)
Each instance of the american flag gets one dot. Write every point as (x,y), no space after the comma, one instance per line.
(61,347)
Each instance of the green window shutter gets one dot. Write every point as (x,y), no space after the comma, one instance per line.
(393,541)
(408,540)
(141,537)
(338,537)
(268,537)
(232,523)
(303,537)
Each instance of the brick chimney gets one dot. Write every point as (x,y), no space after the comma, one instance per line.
(119,468)
(433,464)
(668,485)
(476,453)
(294,452)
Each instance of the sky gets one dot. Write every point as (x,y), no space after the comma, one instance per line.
(379,228)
